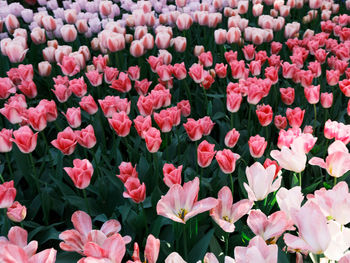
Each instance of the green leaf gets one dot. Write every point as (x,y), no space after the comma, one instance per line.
(199,250)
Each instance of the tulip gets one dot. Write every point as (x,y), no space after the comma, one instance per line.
(121,123)
(233,101)
(257,251)
(186,205)
(314,235)
(269,228)
(88,104)
(231,138)
(81,173)
(337,162)
(15,52)
(171,174)
(257,146)
(5,140)
(44,68)
(16,212)
(193,129)
(66,141)
(153,139)
(227,160)
(196,72)
(293,159)
(280,122)
(126,171)
(261,181)
(69,66)
(73,116)
(69,33)
(265,114)
(86,137)
(295,116)
(7,194)
(135,190)
(225,214)
(205,154)
(287,95)
(37,118)
(25,139)
(326,100)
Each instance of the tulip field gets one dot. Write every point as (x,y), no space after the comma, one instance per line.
(174,131)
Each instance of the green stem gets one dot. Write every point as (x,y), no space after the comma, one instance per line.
(231,118)
(334,181)
(196,142)
(35,176)
(231,179)
(267,133)
(2,179)
(188,91)
(226,243)
(9,164)
(185,241)
(206,100)
(300,179)
(315,113)
(144,217)
(166,146)
(156,169)
(86,202)
(249,116)
(6,223)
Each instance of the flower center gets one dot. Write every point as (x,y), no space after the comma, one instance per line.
(182,213)
(227,219)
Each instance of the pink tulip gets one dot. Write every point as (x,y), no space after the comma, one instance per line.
(135,190)
(257,251)
(171,174)
(151,250)
(5,140)
(227,160)
(66,141)
(88,104)
(81,173)
(86,137)
(16,212)
(7,194)
(121,123)
(337,162)
(25,139)
(186,205)
(257,146)
(225,214)
(261,181)
(314,235)
(269,228)
(69,66)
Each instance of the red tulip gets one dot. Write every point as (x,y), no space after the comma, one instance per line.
(265,114)
(295,116)
(231,138)
(257,146)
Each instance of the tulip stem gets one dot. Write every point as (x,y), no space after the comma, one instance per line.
(267,133)
(6,223)
(231,118)
(249,116)
(300,179)
(86,202)
(155,161)
(206,100)
(36,179)
(188,91)
(9,164)
(166,147)
(335,181)
(315,112)
(226,243)
(2,179)
(185,242)
(230,175)
(144,217)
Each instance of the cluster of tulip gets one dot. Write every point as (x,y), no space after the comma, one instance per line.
(112,112)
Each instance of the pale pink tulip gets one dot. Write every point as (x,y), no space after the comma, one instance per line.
(180,203)
(312,227)
(269,228)
(257,251)
(225,214)
(261,181)
(289,199)
(293,159)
